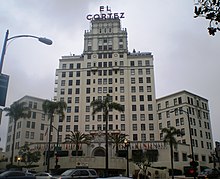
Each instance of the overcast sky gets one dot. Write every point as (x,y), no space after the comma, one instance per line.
(185,56)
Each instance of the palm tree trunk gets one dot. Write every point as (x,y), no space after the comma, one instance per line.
(106,144)
(171,156)
(13,142)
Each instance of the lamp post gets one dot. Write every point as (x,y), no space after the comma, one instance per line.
(190,136)
(41,39)
(127,144)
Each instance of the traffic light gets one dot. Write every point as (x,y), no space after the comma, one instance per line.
(192,171)
(194,164)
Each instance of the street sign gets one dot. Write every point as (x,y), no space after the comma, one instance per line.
(3,88)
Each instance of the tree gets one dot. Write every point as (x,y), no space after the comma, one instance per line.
(169,138)
(105,106)
(117,138)
(15,112)
(51,108)
(78,138)
(210,9)
(28,156)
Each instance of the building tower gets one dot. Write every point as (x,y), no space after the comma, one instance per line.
(107,67)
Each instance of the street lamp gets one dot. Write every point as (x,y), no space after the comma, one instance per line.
(5,78)
(190,136)
(41,39)
(19,159)
(127,144)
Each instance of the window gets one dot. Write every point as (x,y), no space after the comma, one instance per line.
(77,82)
(121,80)
(76,100)
(176,156)
(134,108)
(68,118)
(131,63)
(33,115)
(133,89)
(184,157)
(150,107)
(33,125)
(140,72)
(133,98)
(122,117)
(78,65)
(122,127)
(32,135)
(142,107)
(149,97)
(69,91)
(151,126)
(141,97)
(134,127)
(132,80)
(141,80)
(134,117)
(87,90)
(148,79)
(27,133)
(70,74)
(70,82)
(76,118)
(142,117)
(141,89)
(63,74)
(67,128)
(150,116)
(151,137)
(135,137)
(143,128)
(28,124)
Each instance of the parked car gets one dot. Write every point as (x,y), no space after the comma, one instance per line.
(79,173)
(16,175)
(44,175)
(209,173)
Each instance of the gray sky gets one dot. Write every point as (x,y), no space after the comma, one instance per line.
(185,56)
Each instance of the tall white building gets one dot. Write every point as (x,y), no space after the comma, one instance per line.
(106,67)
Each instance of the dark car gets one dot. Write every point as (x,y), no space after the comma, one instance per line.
(209,173)
(16,175)
(79,173)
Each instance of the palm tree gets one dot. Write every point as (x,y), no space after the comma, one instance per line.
(16,111)
(169,138)
(51,108)
(78,138)
(117,138)
(105,106)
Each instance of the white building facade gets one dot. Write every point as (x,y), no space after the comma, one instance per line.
(179,108)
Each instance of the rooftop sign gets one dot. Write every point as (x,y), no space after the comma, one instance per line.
(105,13)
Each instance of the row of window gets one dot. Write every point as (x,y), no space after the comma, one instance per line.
(176,157)
(105,73)
(120,89)
(140,107)
(138,63)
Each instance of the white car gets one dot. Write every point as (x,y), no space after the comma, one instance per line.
(44,175)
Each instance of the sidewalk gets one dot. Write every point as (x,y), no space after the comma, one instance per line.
(181,177)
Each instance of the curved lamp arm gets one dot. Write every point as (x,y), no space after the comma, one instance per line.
(41,39)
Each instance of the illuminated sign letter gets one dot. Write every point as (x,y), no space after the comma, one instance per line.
(101,8)
(89,17)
